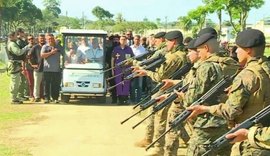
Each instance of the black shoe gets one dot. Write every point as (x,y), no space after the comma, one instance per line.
(46,101)
(55,101)
(37,100)
(16,102)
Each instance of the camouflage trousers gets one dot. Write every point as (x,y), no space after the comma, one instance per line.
(201,137)
(15,84)
(172,138)
(245,149)
(160,126)
(149,130)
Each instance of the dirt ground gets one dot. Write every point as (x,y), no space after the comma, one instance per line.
(82,130)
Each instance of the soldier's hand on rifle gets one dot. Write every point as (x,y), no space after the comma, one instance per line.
(197,110)
(238,136)
(162,97)
(168,83)
(181,95)
(135,68)
(140,72)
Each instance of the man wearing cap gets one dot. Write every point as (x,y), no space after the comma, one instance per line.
(204,76)
(160,48)
(172,138)
(175,59)
(249,92)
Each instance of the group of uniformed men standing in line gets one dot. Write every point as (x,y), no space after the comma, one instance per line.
(247,95)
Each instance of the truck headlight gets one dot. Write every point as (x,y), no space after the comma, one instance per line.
(96,85)
(68,84)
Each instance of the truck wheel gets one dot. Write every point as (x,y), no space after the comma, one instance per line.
(65,98)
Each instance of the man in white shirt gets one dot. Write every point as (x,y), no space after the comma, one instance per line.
(137,83)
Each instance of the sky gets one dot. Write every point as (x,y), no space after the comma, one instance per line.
(137,10)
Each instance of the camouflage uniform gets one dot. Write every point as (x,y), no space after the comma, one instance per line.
(172,137)
(175,59)
(149,130)
(259,137)
(207,127)
(23,89)
(248,95)
(16,57)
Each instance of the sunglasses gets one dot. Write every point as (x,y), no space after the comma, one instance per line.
(30,38)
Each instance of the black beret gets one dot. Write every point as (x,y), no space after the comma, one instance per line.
(173,35)
(160,34)
(191,44)
(203,39)
(250,38)
(208,30)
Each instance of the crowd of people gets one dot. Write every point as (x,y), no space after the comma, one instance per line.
(38,65)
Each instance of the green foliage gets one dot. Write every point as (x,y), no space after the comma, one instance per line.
(101,13)
(52,7)
(237,10)
(22,13)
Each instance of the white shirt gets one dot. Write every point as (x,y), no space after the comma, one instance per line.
(138,50)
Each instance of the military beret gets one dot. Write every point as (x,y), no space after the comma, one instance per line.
(207,30)
(250,38)
(173,35)
(160,34)
(203,39)
(191,44)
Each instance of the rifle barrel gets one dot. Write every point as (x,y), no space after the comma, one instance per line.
(122,122)
(142,121)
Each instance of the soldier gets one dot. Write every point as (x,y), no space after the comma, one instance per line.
(172,138)
(203,75)
(249,92)
(16,56)
(175,59)
(160,46)
(258,137)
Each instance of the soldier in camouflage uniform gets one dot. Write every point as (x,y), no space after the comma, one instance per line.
(16,56)
(172,138)
(149,131)
(249,92)
(206,74)
(258,137)
(175,59)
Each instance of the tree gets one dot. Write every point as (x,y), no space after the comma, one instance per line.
(184,22)
(237,10)
(119,18)
(198,16)
(101,13)
(53,7)
(23,13)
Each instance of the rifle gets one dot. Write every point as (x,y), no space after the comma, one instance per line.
(122,63)
(143,63)
(177,75)
(161,106)
(127,70)
(222,141)
(153,101)
(221,85)
(131,76)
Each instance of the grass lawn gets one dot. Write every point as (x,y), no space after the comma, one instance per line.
(12,116)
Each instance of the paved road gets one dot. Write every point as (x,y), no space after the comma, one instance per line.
(82,130)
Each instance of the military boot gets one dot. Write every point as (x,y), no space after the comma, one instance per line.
(156,151)
(143,143)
